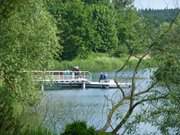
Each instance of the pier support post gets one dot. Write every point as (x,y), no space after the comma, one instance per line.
(84,85)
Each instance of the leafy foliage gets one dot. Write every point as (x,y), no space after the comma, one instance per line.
(104,23)
(85,28)
(74,28)
(169,73)
(27,42)
(80,128)
(30,39)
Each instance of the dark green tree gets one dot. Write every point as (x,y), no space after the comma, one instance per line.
(84,28)
(134,33)
(75,30)
(104,23)
(158,16)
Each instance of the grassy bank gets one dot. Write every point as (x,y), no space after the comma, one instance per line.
(101,62)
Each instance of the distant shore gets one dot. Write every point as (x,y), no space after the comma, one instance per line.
(97,62)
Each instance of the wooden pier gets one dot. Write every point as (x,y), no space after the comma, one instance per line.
(52,80)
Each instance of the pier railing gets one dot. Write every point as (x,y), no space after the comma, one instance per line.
(61,75)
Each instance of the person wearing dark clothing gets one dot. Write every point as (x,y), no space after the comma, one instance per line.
(102,77)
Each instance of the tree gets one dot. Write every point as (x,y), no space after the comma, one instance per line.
(27,42)
(134,33)
(75,30)
(150,97)
(85,28)
(166,115)
(104,23)
(126,24)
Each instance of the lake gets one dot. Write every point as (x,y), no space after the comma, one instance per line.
(63,106)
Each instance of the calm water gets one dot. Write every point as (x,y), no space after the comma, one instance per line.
(61,107)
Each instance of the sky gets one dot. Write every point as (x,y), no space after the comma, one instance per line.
(157,4)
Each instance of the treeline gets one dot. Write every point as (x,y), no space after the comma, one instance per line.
(159,16)
(95,26)
(104,26)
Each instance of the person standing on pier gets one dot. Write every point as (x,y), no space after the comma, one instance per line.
(76,72)
(103,76)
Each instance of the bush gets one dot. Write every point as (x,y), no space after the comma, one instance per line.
(80,128)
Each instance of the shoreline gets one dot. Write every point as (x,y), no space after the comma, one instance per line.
(98,62)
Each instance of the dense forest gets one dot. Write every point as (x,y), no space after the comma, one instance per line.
(100,26)
(36,34)
(159,16)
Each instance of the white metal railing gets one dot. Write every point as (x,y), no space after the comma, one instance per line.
(60,75)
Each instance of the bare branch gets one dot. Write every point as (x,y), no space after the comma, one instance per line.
(146,53)
(124,65)
(132,96)
(121,89)
(149,99)
(108,99)
(130,111)
(110,114)
(147,90)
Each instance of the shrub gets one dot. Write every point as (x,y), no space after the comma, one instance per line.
(80,128)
